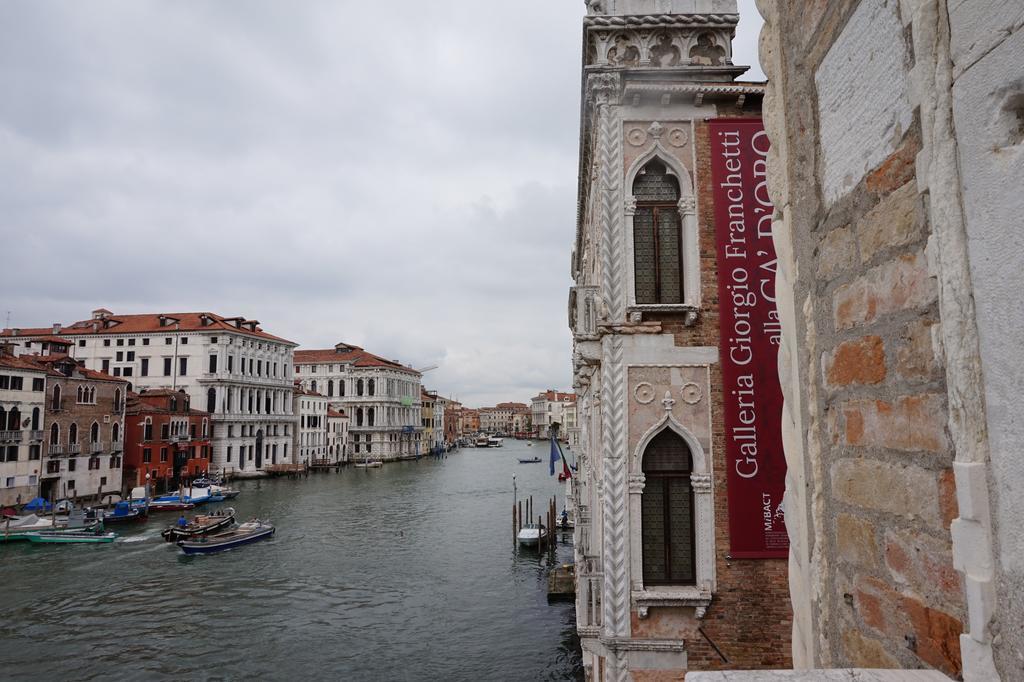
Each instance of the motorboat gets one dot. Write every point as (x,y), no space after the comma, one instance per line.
(125,512)
(531,534)
(495,442)
(535,460)
(481,442)
(71,537)
(369,464)
(203,524)
(248,532)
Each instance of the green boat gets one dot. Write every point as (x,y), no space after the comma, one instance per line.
(70,536)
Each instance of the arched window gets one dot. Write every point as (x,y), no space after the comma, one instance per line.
(14,420)
(359,387)
(312,386)
(147,432)
(370,387)
(3,419)
(54,434)
(35,419)
(55,403)
(94,433)
(73,434)
(117,400)
(359,416)
(330,388)
(174,404)
(92,395)
(115,433)
(341,387)
(657,236)
(211,400)
(667,512)
(80,397)
(370,414)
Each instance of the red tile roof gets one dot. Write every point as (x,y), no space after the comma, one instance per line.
(150,323)
(22,362)
(331,412)
(53,359)
(347,354)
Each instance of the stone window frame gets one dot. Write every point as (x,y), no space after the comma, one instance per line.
(689,233)
(698,595)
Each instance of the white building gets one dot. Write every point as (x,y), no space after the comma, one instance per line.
(228,365)
(570,424)
(381,398)
(337,435)
(311,431)
(22,417)
(546,409)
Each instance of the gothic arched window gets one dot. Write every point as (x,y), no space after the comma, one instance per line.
(667,512)
(657,236)
(211,400)
(73,434)
(55,404)
(54,434)
(94,433)
(35,419)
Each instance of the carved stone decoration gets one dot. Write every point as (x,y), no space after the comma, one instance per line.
(623,51)
(636,483)
(687,205)
(616,599)
(636,137)
(677,137)
(603,88)
(663,52)
(706,51)
(691,393)
(609,160)
(644,393)
(631,205)
(655,130)
(668,401)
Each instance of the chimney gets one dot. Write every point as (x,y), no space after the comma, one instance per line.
(56,328)
(6,350)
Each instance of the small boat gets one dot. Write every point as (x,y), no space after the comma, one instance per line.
(70,537)
(535,460)
(495,442)
(372,464)
(531,534)
(529,443)
(250,531)
(226,493)
(124,512)
(170,505)
(481,442)
(203,524)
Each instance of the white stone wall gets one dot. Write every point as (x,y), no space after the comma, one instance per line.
(19,480)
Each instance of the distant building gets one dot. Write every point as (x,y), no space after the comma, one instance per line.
(546,409)
(452,418)
(239,373)
(311,431)
(337,435)
(381,397)
(166,439)
(85,431)
(570,425)
(22,424)
(469,421)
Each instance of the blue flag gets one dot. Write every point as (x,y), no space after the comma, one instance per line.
(556,455)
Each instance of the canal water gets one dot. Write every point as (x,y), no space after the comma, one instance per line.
(408,572)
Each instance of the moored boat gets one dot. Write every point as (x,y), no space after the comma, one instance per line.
(372,464)
(535,460)
(124,512)
(531,534)
(248,532)
(203,524)
(70,537)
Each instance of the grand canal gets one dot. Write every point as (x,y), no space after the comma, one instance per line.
(407,572)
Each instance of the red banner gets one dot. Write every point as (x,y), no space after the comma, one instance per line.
(749,340)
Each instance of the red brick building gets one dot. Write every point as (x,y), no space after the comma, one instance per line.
(166,439)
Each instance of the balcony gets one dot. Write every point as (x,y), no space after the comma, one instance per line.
(35,435)
(117,446)
(96,447)
(73,448)
(55,449)
(10,436)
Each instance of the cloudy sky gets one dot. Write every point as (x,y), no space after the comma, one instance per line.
(396,175)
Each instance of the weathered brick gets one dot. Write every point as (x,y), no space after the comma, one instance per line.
(855,540)
(899,284)
(861,361)
(893,222)
(936,636)
(925,565)
(865,652)
(915,352)
(893,488)
(877,604)
(836,252)
(948,506)
(897,170)
(910,423)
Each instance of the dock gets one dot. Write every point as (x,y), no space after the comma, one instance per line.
(562,583)
(285,469)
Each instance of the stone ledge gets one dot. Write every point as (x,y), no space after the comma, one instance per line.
(839,674)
